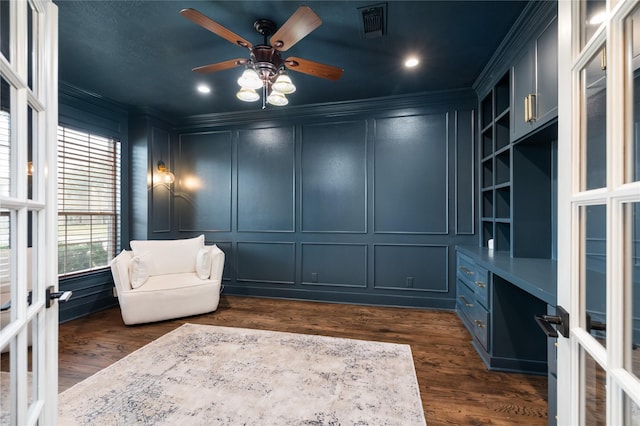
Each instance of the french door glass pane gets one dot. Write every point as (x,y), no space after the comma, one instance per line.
(5,264)
(631,412)
(31,38)
(593,13)
(594,390)
(5,30)
(594,263)
(632,220)
(594,152)
(31,168)
(632,148)
(5,138)
(5,386)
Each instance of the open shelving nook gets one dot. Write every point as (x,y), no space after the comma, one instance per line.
(517,181)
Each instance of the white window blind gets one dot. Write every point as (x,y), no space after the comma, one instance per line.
(88,201)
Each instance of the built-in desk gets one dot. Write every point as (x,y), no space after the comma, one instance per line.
(537,277)
(497,299)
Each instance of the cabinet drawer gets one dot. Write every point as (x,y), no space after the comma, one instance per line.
(465,304)
(480,321)
(466,270)
(476,277)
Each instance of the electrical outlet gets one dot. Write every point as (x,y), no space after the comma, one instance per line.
(409,282)
(314,277)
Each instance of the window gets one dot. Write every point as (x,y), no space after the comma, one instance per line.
(88,201)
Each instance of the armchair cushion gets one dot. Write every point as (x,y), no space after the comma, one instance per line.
(203,263)
(140,269)
(170,256)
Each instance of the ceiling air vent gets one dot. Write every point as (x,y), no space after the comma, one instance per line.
(373,20)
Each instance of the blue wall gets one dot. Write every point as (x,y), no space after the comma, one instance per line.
(358,202)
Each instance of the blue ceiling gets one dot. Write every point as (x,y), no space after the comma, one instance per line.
(141,53)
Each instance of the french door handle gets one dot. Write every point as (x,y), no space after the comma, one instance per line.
(7,305)
(595,325)
(62,296)
(560,320)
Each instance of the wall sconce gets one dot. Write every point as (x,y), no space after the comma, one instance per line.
(30,168)
(164,175)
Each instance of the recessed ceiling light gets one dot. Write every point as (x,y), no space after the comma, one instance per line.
(411,62)
(203,88)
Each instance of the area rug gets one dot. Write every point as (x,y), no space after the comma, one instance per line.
(209,375)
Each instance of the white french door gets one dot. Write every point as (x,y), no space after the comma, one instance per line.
(599,211)
(28,212)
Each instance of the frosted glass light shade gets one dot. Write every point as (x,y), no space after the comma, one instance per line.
(247,95)
(277,98)
(250,79)
(284,85)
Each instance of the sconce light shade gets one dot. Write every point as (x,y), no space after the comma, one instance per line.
(250,79)
(284,85)
(30,168)
(164,174)
(277,98)
(247,95)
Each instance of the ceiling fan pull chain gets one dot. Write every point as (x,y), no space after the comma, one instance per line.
(264,96)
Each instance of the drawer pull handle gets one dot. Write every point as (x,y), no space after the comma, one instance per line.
(466,271)
(479,324)
(467,304)
(480,284)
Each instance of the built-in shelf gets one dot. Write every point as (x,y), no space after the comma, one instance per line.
(495,179)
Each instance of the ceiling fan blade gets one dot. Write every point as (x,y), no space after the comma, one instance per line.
(315,69)
(220,66)
(207,23)
(302,22)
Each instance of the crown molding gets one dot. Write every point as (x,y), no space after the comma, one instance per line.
(533,19)
(371,106)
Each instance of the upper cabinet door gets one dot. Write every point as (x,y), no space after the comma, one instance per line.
(547,74)
(535,86)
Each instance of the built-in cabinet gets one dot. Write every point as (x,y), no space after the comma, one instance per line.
(534,79)
(511,276)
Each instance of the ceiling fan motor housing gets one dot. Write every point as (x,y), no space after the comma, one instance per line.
(266,60)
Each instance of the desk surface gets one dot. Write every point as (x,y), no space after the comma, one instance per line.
(537,277)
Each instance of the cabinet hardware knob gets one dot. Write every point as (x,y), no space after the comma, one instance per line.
(480,284)
(479,323)
(526,109)
(603,59)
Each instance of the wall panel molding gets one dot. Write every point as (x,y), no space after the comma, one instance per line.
(464,156)
(265,262)
(411,174)
(266,166)
(333,184)
(411,267)
(203,196)
(334,264)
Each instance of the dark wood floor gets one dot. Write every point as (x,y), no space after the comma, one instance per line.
(456,387)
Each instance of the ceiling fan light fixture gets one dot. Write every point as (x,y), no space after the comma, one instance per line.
(277,98)
(247,94)
(283,84)
(250,79)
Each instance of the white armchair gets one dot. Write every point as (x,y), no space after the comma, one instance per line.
(163,279)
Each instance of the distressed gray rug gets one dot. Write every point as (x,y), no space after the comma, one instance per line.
(209,375)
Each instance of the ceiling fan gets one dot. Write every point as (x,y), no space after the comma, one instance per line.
(265,67)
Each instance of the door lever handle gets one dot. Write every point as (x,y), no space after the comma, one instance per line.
(561,321)
(62,296)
